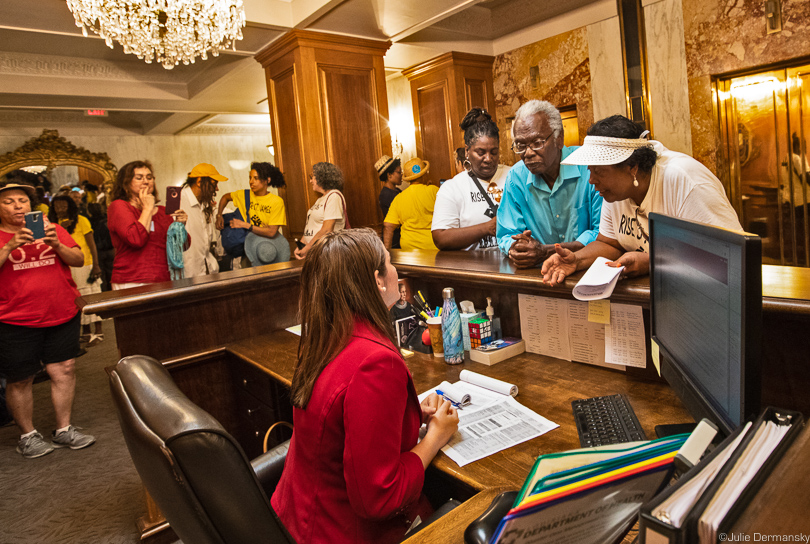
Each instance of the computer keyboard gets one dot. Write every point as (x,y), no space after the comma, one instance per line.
(606,420)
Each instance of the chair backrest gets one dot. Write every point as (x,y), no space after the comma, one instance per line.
(194,470)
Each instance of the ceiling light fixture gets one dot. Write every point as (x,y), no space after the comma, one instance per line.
(167,31)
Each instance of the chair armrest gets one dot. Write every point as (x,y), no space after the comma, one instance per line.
(481,530)
(269,466)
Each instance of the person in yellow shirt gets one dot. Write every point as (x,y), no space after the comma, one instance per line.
(413,209)
(265,217)
(87,278)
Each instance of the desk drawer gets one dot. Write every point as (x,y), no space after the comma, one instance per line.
(255,382)
(260,415)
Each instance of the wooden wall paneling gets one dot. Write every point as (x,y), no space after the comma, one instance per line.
(468,82)
(352,134)
(289,149)
(433,106)
(323,64)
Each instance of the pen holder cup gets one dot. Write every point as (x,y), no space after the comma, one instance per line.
(435,327)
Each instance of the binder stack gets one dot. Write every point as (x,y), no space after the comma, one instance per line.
(708,499)
(588,495)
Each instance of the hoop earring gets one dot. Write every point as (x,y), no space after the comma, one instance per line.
(635,182)
(467,165)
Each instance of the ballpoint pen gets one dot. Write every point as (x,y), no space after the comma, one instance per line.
(455,405)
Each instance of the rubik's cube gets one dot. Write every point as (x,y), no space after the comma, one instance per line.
(480,332)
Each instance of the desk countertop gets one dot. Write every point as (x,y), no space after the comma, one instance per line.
(546,385)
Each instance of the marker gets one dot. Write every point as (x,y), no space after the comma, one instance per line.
(423,314)
(438,311)
(445,397)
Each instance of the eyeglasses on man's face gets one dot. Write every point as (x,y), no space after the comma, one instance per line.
(537,146)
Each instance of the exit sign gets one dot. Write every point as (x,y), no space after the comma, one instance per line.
(96,113)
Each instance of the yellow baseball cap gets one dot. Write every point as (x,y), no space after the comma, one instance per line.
(205,170)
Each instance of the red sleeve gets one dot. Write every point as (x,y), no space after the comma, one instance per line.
(122,222)
(380,478)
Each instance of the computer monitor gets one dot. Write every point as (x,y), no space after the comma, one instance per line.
(706,316)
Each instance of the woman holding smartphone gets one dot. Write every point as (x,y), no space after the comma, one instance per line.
(138,228)
(355,468)
(39,321)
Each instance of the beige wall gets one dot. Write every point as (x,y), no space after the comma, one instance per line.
(174,156)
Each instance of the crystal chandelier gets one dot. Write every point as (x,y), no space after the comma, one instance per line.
(168,31)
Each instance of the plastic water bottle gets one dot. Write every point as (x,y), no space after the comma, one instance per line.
(451,329)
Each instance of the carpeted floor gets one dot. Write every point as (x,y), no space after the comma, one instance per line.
(85,496)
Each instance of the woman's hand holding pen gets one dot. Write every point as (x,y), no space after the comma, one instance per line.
(429,406)
(443,423)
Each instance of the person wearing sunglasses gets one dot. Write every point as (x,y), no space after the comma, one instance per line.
(544,203)
(637,176)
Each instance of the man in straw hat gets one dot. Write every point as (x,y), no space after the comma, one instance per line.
(543,202)
(413,209)
(390,172)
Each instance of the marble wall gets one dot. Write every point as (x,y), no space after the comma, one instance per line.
(174,156)
(666,74)
(724,36)
(565,80)
(607,68)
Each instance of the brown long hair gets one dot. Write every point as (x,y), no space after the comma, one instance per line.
(337,286)
(124,179)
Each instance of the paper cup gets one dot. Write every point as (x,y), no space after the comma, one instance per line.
(435,327)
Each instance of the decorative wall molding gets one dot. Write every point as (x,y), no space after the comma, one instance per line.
(32,64)
(235,130)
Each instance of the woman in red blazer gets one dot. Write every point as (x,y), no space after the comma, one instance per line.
(354,472)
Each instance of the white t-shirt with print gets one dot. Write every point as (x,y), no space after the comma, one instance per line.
(679,187)
(460,204)
(329,206)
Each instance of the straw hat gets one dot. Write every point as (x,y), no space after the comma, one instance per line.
(383,163)
(603,150)
(415,169)
(32,193)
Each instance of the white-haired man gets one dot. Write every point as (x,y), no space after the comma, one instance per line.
(544,202)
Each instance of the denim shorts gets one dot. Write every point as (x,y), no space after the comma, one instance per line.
(26,349)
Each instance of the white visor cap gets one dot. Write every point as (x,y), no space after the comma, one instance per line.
(603,150)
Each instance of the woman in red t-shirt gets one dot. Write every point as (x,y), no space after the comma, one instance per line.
(138,228)
(39,321)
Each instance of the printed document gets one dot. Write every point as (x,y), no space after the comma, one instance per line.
(492,422)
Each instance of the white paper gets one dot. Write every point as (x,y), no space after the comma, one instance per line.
(544,324)
(756,452)
(598,282)
(624,337)
(491,423)
(486,382)
(454,393)
(587,339)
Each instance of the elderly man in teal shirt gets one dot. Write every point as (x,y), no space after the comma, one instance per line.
(544,203)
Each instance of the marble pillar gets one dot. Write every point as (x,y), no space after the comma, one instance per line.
(607,70)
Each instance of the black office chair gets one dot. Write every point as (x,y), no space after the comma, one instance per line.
(481,530)
(194,470)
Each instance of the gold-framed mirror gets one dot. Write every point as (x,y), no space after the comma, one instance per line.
(51,150)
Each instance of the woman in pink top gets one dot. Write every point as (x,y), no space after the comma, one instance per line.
(354,472)
(138,228)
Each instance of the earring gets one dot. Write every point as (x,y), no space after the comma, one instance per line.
(383,288)
(635,182)
(467,165)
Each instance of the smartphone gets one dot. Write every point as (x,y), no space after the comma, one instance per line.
(34,223)
(172,199)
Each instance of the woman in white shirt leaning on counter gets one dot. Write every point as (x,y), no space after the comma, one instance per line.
(636,176)
(464,214)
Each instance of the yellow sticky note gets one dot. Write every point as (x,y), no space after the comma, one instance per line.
(599,311)
(655,355)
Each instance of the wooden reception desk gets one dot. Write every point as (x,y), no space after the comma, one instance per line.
(222,339)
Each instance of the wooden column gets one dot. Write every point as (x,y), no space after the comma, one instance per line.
(328,102)
(443,90)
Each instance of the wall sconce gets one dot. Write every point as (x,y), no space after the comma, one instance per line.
(400,125)
(773,16)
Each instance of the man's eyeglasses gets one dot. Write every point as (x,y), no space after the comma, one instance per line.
(537,146)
